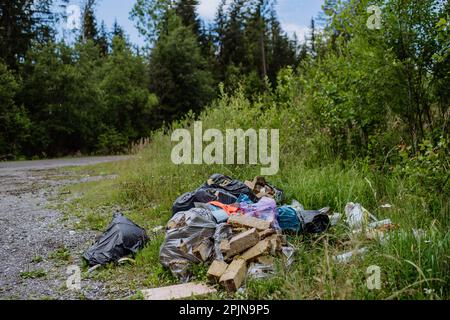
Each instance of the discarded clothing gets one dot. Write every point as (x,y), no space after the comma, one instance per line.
(186,232)
(202,195)
(264,209)
(235,187)
(229,209)
(123,237)
(244,198)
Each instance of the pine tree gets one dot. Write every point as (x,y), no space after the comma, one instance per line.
(103,40)
(21,22)
(187,11)
(89,27)
(179,75)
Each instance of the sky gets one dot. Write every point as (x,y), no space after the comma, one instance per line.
(295,15)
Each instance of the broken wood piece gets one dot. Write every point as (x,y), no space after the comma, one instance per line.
(275,243)
(216,270)
(234,276)
(260,249)
(242,242)
(202,252)
(224,246)
(266,233)
(249,222)
(181,291)
(266,260)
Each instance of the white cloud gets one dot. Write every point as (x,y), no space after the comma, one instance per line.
(292,28)
(207,8)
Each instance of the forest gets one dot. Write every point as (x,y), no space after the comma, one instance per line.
(100,93)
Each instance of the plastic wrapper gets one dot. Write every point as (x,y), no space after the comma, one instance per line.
(122,238)
(264,209)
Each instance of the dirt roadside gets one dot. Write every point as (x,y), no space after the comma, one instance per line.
(36,247)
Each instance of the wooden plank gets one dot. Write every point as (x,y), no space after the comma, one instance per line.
(275,243)
(202,252)
(262,248)
(266,233)
(181,291)
(235,275)
(216,270)
(242,242)
(266,260)
(249,222)
(225,246)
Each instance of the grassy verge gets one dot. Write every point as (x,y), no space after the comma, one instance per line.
(411,266)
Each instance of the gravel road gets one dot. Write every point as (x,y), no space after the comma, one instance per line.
(31,234)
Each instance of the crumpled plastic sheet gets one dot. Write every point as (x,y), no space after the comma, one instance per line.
(223,232)
(260,271)
(357,216)
(289,253)
(265,209)
(191,228)
(263,271)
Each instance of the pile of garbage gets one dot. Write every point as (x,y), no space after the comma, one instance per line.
(236,228)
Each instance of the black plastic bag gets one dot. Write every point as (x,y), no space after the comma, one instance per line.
(202,195)
(315,221)
(235,187)
(123,237)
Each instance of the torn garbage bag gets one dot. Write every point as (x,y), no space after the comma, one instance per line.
(189,239)
(123,237)
(202,195)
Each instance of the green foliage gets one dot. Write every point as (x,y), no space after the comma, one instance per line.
(112,142)
(14,121)
(179,75)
